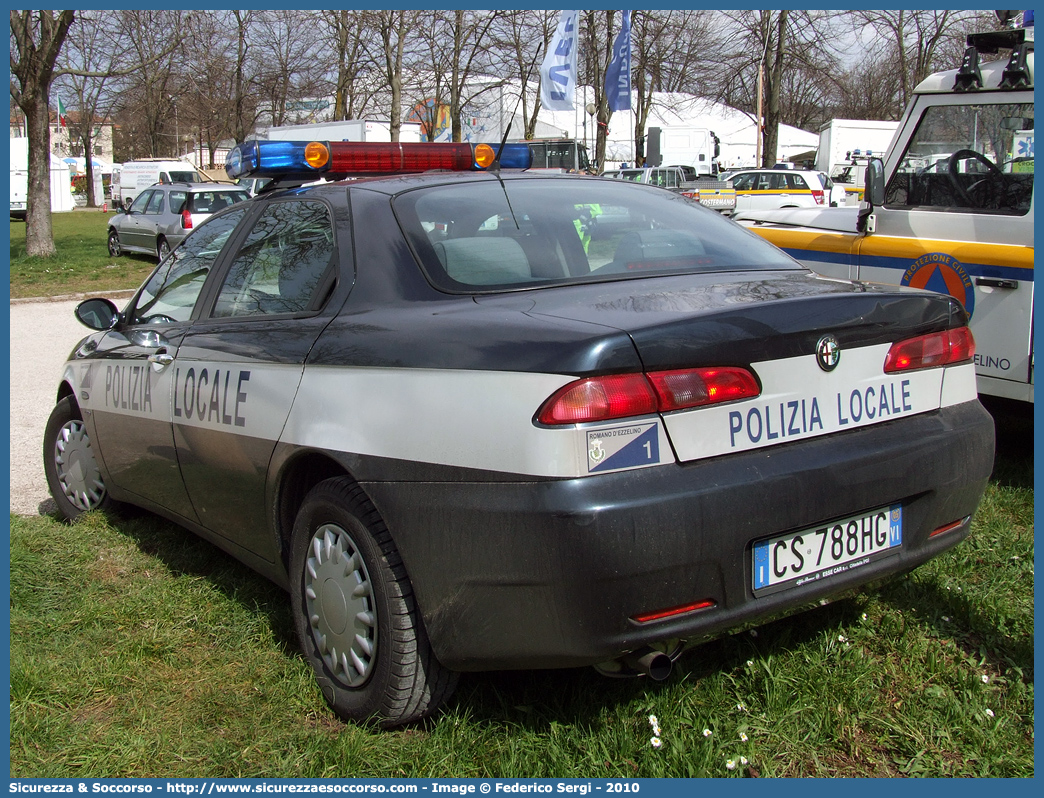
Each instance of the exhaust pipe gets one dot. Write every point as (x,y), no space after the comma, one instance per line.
(649,662)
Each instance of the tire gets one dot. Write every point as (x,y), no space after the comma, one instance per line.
(356,618)
(115,248)
(73,475)
(162,248)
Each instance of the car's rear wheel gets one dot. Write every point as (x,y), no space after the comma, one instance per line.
(355,613)
(162,248)
(115,248)
(72,471)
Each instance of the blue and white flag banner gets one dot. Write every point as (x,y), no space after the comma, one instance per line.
(618,75)
(558,70)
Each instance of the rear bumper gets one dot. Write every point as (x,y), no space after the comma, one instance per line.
(550,573)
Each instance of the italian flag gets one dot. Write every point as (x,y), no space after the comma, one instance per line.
(62,119)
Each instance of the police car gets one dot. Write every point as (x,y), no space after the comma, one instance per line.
(464,435)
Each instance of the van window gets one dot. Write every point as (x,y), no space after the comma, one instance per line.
(182,177)
(968,157)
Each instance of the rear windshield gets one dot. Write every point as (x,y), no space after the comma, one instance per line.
(214,201)
(489,236)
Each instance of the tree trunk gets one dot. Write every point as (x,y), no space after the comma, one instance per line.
(772,101)
(39,239)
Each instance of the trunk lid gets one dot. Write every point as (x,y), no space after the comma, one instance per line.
(774,324)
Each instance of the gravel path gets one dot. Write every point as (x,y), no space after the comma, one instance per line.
(43,333)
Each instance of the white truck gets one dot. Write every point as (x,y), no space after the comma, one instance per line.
(841,139)
(346,130)
(135,176)
(686,145)
(558,154)
(948,208)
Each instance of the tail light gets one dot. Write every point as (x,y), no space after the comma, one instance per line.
(624,395)
(932,350)
(817,196)
(186,219)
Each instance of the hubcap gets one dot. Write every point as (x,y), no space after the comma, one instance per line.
(78,472)
(114,245)
(340,606)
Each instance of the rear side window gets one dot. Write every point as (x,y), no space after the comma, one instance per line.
(525,233)
(797,183)
(213,201)
(281,266)
(177,201)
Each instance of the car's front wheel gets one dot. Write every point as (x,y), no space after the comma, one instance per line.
(115,248)
(72,471)
(355,614)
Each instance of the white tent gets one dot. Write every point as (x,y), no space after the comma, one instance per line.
(61,185)
(735,129)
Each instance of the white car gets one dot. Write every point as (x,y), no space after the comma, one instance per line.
(765,189)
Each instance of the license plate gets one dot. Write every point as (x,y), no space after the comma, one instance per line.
(815,554)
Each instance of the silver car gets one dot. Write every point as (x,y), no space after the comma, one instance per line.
(161,216)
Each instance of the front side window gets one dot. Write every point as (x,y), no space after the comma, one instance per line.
(281,264)
(530,232)
(744,182)
(975,158)
(171,293)
(141,202)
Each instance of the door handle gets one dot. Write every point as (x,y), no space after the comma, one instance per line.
(160,360)
(991,282)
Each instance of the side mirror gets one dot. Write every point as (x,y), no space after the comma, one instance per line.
(98,314)
(873,194)
(874,181)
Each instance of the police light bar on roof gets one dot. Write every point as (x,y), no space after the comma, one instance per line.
(313,160)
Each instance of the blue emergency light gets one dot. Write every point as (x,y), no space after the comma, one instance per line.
(313,160)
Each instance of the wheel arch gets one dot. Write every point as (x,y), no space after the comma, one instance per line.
(65,389)
(298,476)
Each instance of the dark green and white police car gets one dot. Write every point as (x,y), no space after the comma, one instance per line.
(473,417)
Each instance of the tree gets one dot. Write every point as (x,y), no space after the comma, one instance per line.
(912,38)
(287,63)
(92,55)
(522,37)
(671,51)
(348,35)
(598,51)
(151,89)
(37,37)
(391,27)
(763,52)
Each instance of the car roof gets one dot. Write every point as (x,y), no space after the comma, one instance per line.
(178,184)
(397,184)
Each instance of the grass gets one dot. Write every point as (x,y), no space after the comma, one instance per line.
(83,263)
(139,650)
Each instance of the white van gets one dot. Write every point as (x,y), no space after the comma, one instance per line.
(140,174)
